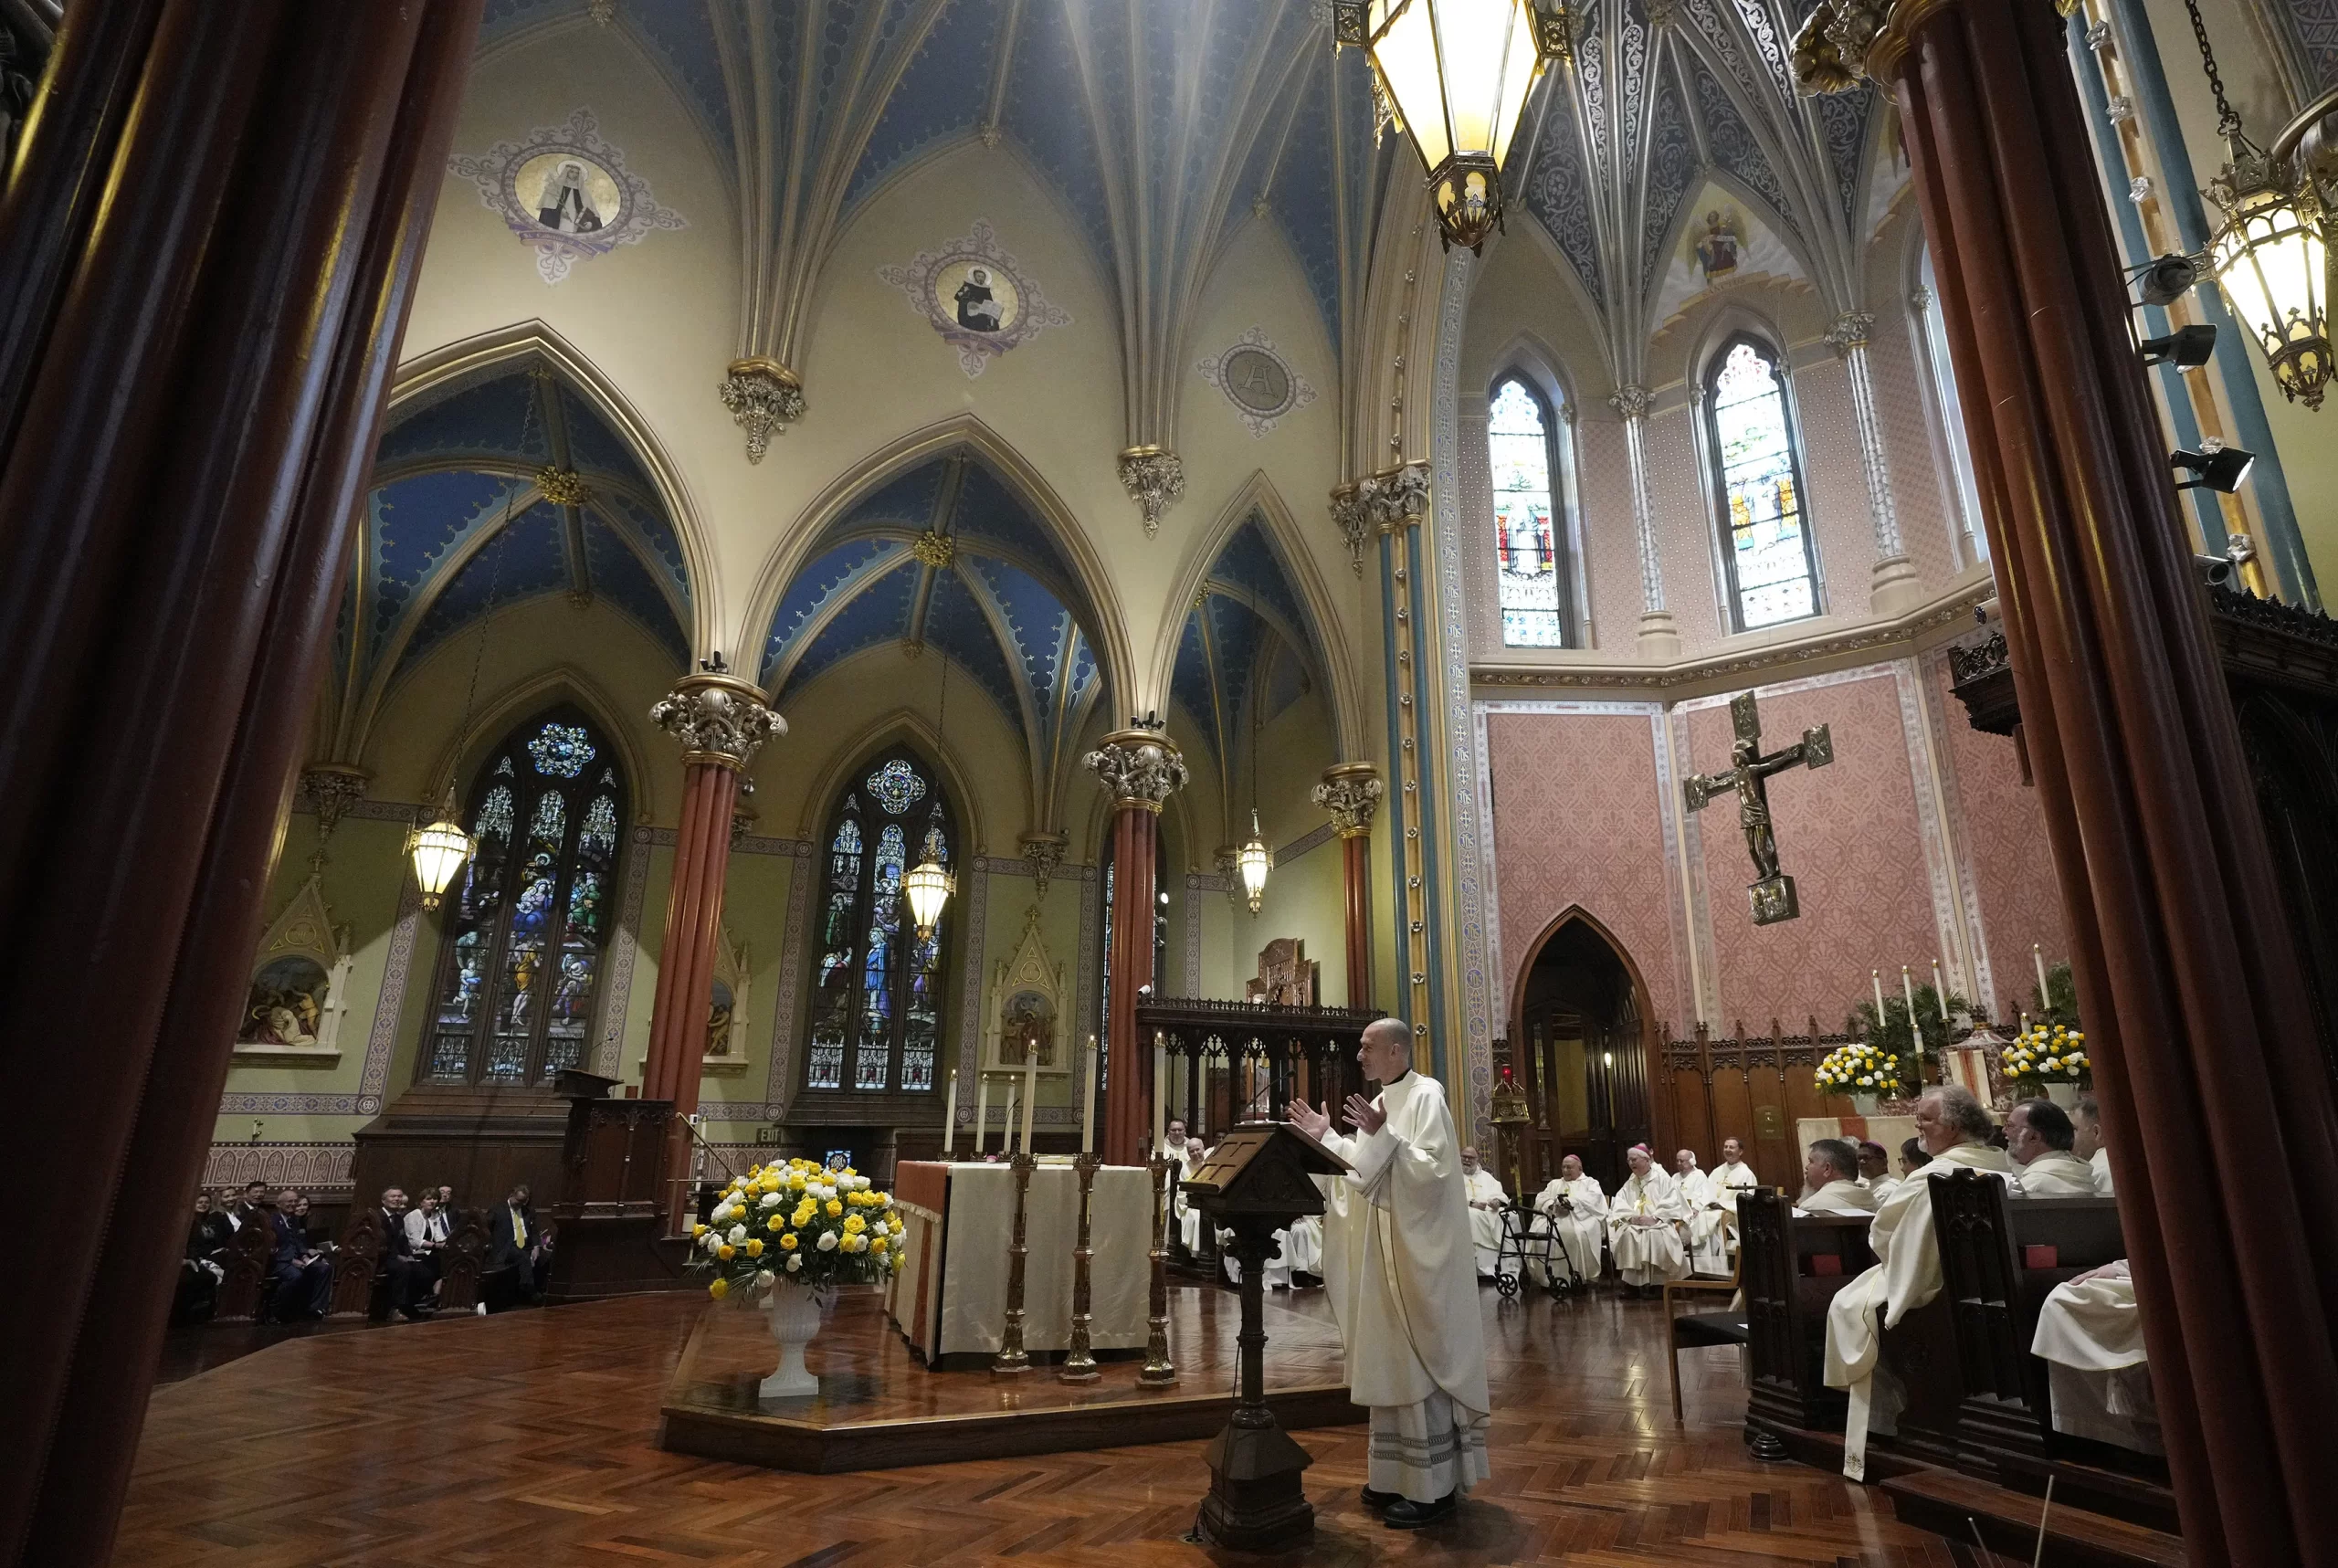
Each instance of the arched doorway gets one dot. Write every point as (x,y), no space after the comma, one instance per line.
(1579,1038)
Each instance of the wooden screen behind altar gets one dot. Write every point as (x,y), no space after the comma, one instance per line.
(527,926)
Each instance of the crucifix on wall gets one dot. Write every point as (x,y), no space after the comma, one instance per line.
(1772,891)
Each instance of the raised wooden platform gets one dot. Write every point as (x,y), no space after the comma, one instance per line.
(879,1409)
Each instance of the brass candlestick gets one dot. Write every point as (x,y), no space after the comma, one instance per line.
(1079,1361)
(1159,1372)
(1012,1361)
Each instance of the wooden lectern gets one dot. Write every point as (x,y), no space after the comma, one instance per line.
(607,1213)
(1256,1181)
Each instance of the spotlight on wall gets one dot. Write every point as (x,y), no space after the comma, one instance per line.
(2222,470)
(2166,281)
(2185,347)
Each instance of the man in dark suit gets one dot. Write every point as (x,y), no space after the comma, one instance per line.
(513,1242)
(409,1274)
(303,1275)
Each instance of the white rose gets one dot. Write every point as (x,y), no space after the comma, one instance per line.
(771,1201)
(794,1262)
(710,1240)
(738,1234)
(764,1276)
(828,1241)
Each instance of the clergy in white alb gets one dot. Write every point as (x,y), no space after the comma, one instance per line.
(1571,1209)
(1708,1238)
(1731,1177)
(1400,1269)
(1951,1127)
(1189,1218)
(2090,1337)
(1875,1170)
(1486,1201)
(1645,1221)
(2038,1140)
(1302,1247)
(1831,1182)
(2086,1123)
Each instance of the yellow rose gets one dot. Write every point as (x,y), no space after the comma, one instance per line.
(834,1208)
(878,1245)
(697,1231)
(787,1242)
(776,1224)
(719,1289)
(855,1226)
(726,1252)
(894,1226)
(755,1247)
(795,1181)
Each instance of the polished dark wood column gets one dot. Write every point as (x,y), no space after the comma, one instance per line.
(190,388)
(1351,792)
(1141,768)
(2219,1111)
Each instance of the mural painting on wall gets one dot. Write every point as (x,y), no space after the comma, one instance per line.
(300,985)
(286,1005)
(1716,247)
(565,192)
(1258,381)
(976,297)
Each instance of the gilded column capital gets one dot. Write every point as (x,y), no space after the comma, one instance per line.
(1395,498)
(1351,793)
(331,789)
(1632,402)
(1350,513)
(1043,852)
(765,397)
(1154,479)
(1140,765)
(1849,331)
(719,718)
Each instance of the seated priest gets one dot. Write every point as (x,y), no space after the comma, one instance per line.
(2038,1138)
(1276,1273)
(2086,1125)
(1953,1131)
(1645,1221)
(1708,1234)
(1398,1265)
(1875,1169)
(1172,1144)
(1485,1201)
(1189,1218)
(1302,1248)
(1831,1178)
(1731,1177)
(2091,1341)
(1572,1208)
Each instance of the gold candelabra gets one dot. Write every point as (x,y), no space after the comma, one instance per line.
(1159,1372)
(1079,1361)
(1012,1360)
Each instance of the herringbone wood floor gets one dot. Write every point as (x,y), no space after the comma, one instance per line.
(531,1439)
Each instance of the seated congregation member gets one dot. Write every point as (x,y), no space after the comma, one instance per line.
(1953,1131)
(1645,1219)
(2091,1340)
(303,1275)
(2086,1126)
(1831,1175)
(1875,1169)
(1486,1202)
(251,1205)
(409,1275)
(203,1263)
(427,1225)
(512,1241)
(1572,1208)
(2038,1135)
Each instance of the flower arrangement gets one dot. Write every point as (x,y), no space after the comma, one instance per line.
(2046,1053)
(1862,1068)
(799,1222)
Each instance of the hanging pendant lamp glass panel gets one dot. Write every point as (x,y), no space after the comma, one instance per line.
(1457,72)
(2271,262)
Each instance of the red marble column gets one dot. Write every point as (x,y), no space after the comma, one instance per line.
(1352,793)
(1141,767)
(2219,1113)
(190,391)
(721,721)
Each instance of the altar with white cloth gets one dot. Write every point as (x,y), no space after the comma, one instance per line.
(948,1298)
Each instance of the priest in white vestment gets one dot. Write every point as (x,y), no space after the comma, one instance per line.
(1645,1221)
(1302,1248)
(1731,1177)
(1875,1170)
(1708,1238)
(2091,1340)
(2086,1123)
(2038,1140)
(1486,1202)
(1830,1181)
(1952,1130)
(1572,1208)
(1399,1268)
(1189,1218)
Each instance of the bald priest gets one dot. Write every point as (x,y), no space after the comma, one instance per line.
(1400,1268)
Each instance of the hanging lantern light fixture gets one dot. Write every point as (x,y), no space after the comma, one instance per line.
(1254,860)
(1454,75)
(2270,254)
(438,852)
(929,884)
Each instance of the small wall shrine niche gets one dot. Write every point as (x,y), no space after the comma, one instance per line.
(726,1013)
(1286,976)
(299,988)
(1027,1001)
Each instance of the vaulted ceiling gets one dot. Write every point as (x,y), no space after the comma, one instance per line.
(1247,651)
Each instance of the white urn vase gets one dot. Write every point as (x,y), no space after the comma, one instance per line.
(795,1313)
(2065,1095)
(1865,1104)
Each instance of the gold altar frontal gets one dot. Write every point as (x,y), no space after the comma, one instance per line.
(877,1408)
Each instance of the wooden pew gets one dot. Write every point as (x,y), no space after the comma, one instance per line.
(357,1265)
(1790,1268)
(245,1293)
(462,1263)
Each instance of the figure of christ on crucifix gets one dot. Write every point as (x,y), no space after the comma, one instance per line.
(1772,891)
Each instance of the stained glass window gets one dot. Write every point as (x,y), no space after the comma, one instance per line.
(1531,577)
(1973,535)
(521,964)
(876,1012)
(1765,536)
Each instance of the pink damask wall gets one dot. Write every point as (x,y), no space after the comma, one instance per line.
(1577,823)
(1848,834)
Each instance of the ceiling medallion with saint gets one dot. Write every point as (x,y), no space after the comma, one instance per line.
(975,297)
(1258,381)
(565,192)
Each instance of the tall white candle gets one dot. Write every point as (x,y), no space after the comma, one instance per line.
(1030,1094)
(1939,990)
(1875,977)
(1160,1089)
(982,1110)
(1007,1130)
(1088,1109)
(2038,956)
(950,1114)
(1908,990)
